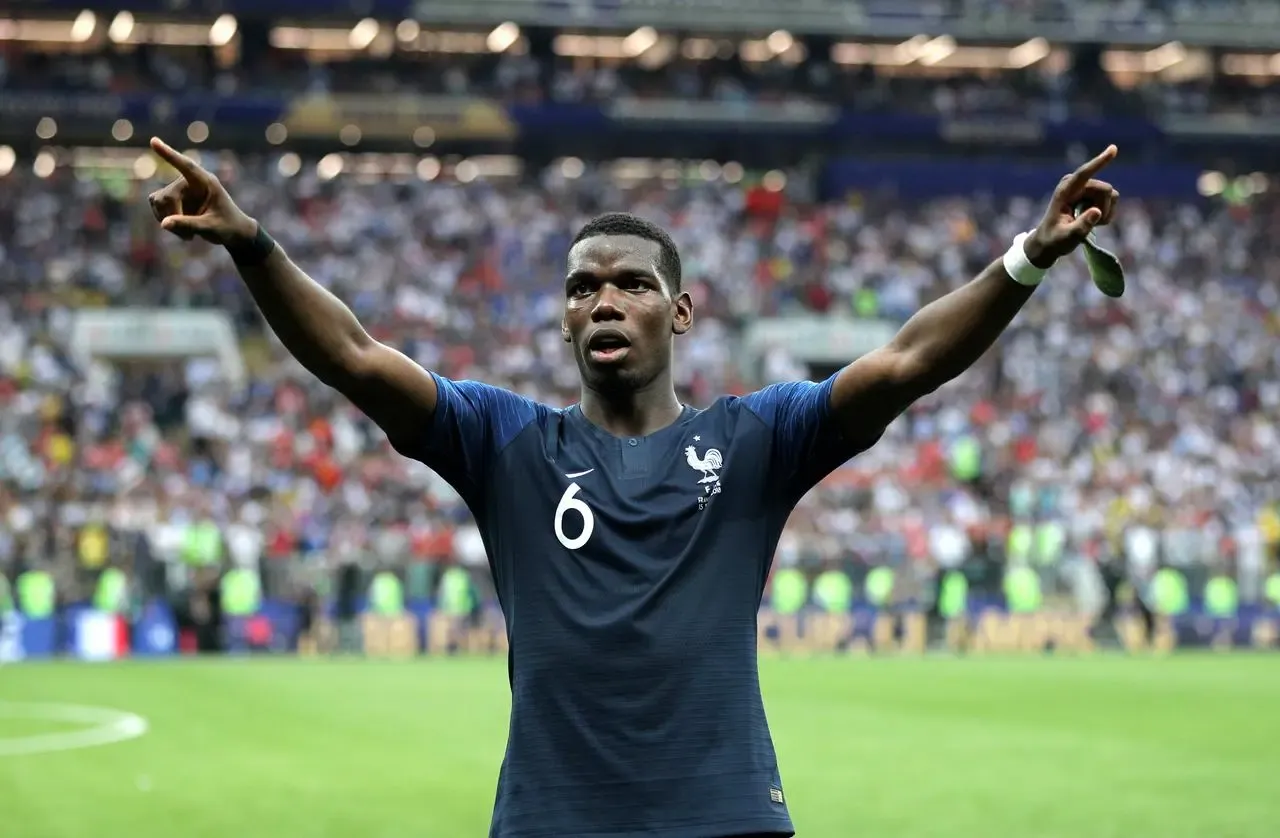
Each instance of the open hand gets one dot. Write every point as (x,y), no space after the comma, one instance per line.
(1062,230)
(196,203)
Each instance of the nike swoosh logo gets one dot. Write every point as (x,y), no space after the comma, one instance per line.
(579,473)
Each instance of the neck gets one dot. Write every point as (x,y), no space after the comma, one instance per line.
(637,412)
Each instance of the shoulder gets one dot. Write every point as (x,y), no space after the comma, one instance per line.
(487,399)
(777,402)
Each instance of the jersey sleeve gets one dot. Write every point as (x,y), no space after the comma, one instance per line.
(473,423)
(806,445)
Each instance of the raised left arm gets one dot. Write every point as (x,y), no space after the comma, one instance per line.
(949,335)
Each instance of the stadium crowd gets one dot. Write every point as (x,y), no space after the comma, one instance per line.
(1100,434)
(1047,90)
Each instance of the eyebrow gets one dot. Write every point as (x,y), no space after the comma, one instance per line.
(583,273)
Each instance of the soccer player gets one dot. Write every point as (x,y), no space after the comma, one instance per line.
(630,535)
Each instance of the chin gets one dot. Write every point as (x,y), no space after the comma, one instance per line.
(618,375)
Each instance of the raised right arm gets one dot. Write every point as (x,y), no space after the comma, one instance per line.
(315,326)
(324,335)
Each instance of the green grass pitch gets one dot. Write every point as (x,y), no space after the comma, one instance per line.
(1186,746)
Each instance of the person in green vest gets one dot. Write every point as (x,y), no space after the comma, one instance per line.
(878,588)
(112,593)
(965,458)
(789,592)
(1022,590)
(1048,541)
(386,594)
(833,591)
(1020,544)
(202,544)
(953,596)
(1169,592)
(1271,590)
(1221,597)
(241,592)
(37,598)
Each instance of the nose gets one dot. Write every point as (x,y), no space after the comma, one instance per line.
(608,304)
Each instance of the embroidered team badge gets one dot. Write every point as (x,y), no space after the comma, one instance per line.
(708,465)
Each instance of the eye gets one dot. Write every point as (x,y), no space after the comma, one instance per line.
(579,289)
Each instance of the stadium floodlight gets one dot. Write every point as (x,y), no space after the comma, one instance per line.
(144,167)
(1211,183)
(428,168)
(1028,53)
(572,168)
(639,41)
(46,128)
(937,50)
(330,166)
(82,28)
(223,30)
(289,165)
(408,30)
(503,37)
(122,130)
(198,131)
(363,33)
(121,27)
(7,159)
(44,164)
(780,41)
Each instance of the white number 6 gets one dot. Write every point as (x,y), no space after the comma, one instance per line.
(569,501)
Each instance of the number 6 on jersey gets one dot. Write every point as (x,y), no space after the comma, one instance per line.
(569,502)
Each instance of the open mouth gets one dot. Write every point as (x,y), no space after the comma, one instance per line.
(607,345)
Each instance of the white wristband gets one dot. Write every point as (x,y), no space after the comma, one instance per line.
(1019,267)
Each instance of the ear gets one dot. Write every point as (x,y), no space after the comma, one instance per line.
(682,314)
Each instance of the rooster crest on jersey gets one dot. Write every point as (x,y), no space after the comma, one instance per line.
(708,464)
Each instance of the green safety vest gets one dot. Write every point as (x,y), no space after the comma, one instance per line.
(1022,590)
(36,596)
(879,586)
(866,303)
(966,459)
(202,544)
(833,590)
(1273,589)
(111,593)
(1050,538)
(1020,543)
(790,591)
(1221,598)
(241,592)
(455,591)
(953,599)
(1169,589)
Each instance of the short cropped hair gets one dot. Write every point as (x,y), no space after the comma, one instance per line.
(626,224)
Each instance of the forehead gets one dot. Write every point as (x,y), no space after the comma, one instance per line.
(603,255)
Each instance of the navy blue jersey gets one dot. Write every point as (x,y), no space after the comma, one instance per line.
(630,571)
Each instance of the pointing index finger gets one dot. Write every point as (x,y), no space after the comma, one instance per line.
(1085,173)
(186,167)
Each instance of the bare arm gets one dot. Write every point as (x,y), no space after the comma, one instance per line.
(315,326)
(950,334)
(324,335)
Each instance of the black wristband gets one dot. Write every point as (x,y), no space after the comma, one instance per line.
(252,253)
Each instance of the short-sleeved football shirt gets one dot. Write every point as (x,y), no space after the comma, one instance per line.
(630,571)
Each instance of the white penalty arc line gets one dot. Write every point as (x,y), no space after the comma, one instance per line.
(104,727)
